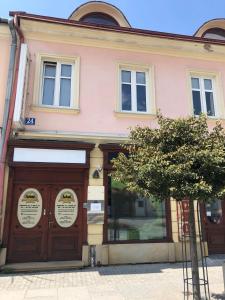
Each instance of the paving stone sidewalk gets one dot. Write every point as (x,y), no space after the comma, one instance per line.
(145,281)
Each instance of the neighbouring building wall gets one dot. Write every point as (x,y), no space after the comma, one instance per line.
(5,41)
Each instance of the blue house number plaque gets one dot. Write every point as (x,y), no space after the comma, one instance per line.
(29,121)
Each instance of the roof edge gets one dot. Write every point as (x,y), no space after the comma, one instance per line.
(143,32)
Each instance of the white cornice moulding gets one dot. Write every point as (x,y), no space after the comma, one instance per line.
(58,33)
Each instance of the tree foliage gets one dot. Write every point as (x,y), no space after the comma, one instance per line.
(181,158)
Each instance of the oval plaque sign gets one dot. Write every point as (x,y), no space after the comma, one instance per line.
(29,208)
(66,208)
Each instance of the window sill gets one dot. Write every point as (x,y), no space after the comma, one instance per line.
(216,118)
(123,114)
(69,110)
(213,118)
(166,240)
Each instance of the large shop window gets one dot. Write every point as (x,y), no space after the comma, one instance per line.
(131,217)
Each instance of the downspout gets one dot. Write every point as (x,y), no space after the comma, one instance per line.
(10,98)
(9,85)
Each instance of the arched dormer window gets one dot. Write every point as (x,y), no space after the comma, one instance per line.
(100,13)
(99,18)
(214,33)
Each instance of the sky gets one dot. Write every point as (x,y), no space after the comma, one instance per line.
(174,16)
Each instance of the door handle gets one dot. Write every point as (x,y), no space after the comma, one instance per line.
(44,212)
(49,224)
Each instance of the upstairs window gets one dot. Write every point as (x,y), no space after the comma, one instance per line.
(99,18)
(134,91)
(215,33)
(203,96)
(57,84)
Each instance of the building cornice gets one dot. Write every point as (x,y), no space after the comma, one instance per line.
(98,37)
(108,28)
(4,31)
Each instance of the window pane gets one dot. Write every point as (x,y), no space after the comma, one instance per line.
(196,102)
(209,104)
(214,212)
(48,91)
(140,77)
(141,98)
(112,155)
(66,70)
(65,92)
(208,84)
(50,70)
(126,76)
(126,97)
(134,218)
(195,83)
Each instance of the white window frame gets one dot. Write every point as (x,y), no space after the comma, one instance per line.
(149,84)
(134,85)
(202,91)
(39,79)
(57,83)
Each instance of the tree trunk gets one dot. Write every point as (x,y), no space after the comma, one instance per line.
(193,253)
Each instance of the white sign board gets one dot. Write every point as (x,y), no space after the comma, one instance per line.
(49,155)
(66,208)
(29,208)
(95,207)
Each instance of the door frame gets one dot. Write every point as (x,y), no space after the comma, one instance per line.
(14,166)
(208,228)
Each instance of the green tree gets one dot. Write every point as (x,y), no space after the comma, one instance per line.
(181,159)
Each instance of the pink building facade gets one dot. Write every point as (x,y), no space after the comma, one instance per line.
(82,83)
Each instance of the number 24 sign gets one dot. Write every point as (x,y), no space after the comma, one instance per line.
(29,121)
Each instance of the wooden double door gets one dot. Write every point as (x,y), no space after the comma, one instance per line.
(46,223)
(214,226)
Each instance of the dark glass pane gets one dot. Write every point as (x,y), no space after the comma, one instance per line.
(126,76)
(215,33)
(48,91)
(208,84)
(140,77)
(214,212)
(131,217)
(99,18)
(112,155)
(65,92)
(141,98)
(50,70)
(195,83)
(210,104)
(66,70)
(196,102)
(126,97)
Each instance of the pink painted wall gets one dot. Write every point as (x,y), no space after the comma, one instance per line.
(98,87)
(5,42)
